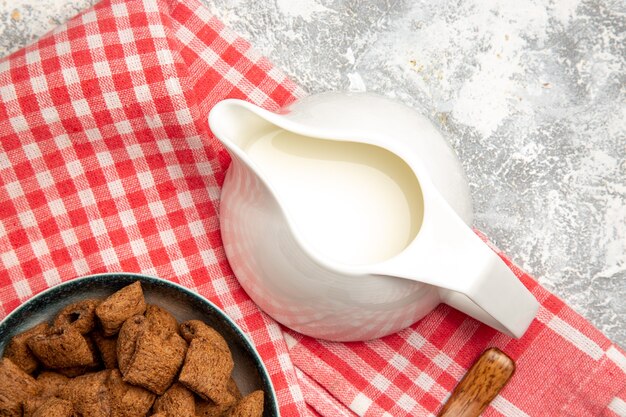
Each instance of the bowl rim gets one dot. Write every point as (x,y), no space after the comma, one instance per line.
(261,368)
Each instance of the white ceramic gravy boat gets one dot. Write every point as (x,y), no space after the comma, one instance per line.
(316,295)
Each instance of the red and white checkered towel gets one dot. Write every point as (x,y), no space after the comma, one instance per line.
(107,164)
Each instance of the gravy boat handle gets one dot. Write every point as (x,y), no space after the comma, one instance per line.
(470,276)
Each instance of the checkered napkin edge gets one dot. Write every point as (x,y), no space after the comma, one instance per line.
(565,366)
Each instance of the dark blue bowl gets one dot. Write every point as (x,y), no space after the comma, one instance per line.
(249,373)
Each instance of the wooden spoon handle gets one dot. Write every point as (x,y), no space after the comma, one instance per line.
(480,385)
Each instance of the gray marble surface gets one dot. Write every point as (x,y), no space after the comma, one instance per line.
(530,93)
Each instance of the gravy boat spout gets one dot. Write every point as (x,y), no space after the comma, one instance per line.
(469,275)
(315,251)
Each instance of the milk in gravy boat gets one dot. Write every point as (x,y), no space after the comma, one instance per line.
(345,217)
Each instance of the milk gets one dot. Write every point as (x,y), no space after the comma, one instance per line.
(351,203)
